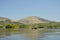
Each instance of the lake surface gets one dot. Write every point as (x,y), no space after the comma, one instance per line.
(50,34)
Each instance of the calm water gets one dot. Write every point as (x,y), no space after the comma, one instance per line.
(53,34)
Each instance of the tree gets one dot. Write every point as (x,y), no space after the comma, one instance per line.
(9,26)
(21,26)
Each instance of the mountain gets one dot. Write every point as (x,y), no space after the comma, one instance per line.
(33,20)
(28,20)
(4,20)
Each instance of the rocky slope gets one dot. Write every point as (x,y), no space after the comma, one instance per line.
(33,20)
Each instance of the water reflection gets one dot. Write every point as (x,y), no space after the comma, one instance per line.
(29,35)
(33,34)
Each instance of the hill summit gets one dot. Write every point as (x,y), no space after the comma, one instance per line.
(33,20)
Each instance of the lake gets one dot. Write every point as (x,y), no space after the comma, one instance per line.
(25,34)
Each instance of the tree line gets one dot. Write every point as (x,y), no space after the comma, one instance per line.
(54,25)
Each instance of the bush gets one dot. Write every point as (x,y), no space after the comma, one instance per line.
(9,26)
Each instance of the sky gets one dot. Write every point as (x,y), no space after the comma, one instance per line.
(19,9)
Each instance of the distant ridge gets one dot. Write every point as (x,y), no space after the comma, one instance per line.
(27,20)
(33,20)
(4,19)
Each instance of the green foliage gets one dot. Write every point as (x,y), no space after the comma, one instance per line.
(8,26)
(21,26)
(49,25)
(54,25)
(40,26)
(1,26)
(24,26)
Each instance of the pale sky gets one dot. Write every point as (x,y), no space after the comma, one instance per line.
(19,9)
